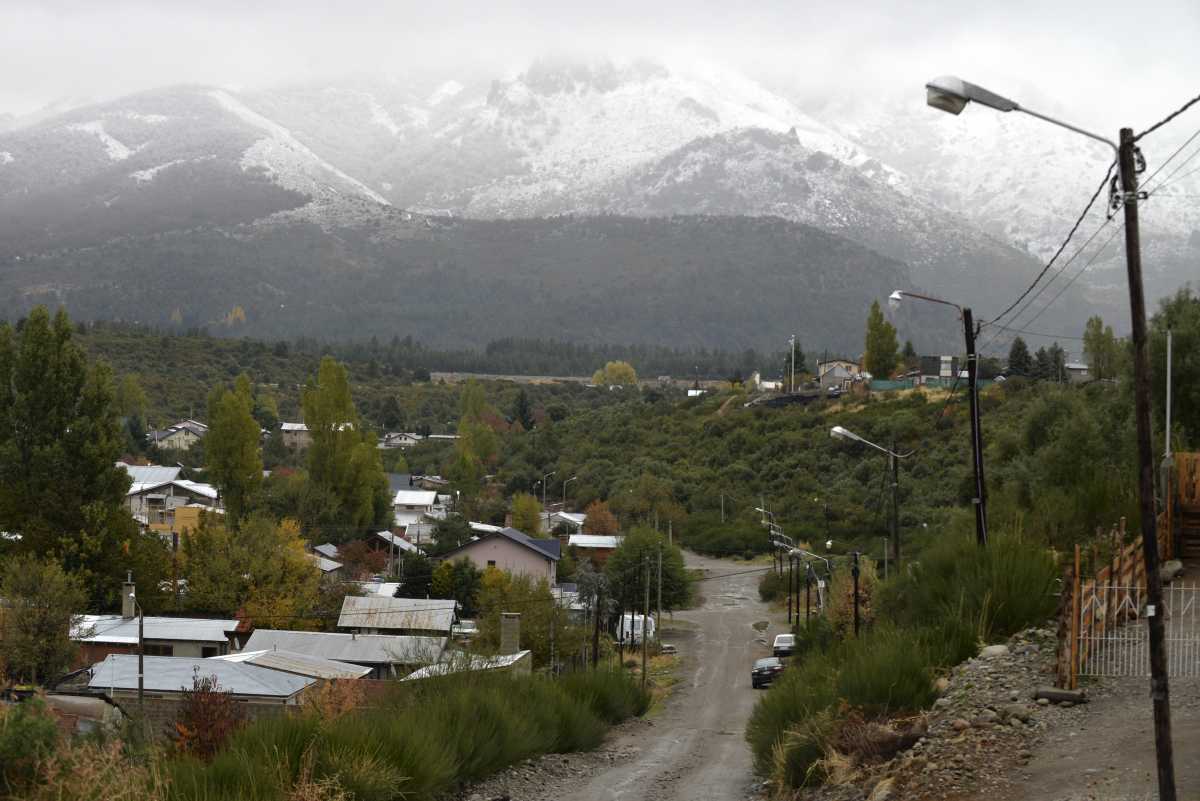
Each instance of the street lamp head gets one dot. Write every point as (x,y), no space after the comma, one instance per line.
(951,94)
(838,432)
(895,298)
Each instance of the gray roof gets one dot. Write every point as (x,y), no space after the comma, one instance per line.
(150,473)
(301,664)
(460,663)
(361,649)
(328,550)
(548,549)
(117,629)
(416,614)
(176,673)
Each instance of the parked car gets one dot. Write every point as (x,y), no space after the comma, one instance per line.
(765,671)
(669,649)
(785,645)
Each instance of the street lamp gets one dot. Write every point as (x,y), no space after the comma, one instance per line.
(952,94)
(964,312)
(838,432)
(565,483)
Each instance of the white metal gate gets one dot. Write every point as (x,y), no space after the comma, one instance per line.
(1112,631)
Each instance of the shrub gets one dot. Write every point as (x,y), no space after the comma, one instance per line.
(801,693)
(773,586)
(28,734)
(886,671)
(1000,589)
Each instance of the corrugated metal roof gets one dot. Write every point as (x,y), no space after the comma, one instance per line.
(416,614)
(361,649)
(176,673)
(325,565)
(150,473)
(593,541)
(300,664)
(293,427)
(460,663)
(205,490)
(116,629)
(328,550)
(397,541)
(384,588)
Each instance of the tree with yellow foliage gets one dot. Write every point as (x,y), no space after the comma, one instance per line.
(616,373)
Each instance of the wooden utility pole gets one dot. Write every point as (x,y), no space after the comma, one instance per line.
(1159,689)
(895,506)
(645,617)
(980,499)
(596,631)
(658,613)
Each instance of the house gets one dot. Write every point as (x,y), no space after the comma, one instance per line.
(259,691)
(327,549)
(399,439)
(152,504)
(314,667)
(328,567)
(518,664)
(386,589)
(838,373)
(1078,372)
(101,635)
(388,656)
(178,437)
(596,547)
(409,506)
(295,435)
(573,521)
(413,616)
(939,369)
(513,552)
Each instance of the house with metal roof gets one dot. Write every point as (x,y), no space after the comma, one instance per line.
(374,614)
(409,506)
(520,663)
(327,549)
(514,552)
(178,437)
(150,473)
(314,667)
(388,656)
(167,677)
(101,635)
(596,547)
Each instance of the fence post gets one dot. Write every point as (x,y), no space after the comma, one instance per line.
(1073,668)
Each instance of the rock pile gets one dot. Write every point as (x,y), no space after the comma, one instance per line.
(984,725)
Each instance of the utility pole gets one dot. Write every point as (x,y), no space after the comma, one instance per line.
(1168,461)
(722,507)
(854,573)
(596,630)
(980,499)
(895,505)
(645,617)
(789,590)
(1159,689)
(658,614)
(808,571)
(792,383)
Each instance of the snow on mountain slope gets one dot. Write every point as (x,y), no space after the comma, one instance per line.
(282,155)
(117,151)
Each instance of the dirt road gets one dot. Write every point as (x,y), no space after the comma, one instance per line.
(694,748)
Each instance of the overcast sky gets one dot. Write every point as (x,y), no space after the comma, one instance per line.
(1104,63)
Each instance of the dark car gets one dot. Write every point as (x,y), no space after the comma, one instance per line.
(765,671)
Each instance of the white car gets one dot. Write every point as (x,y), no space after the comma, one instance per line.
(785,645)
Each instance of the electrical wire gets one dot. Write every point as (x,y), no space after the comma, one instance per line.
(1070,234)
(1168,118)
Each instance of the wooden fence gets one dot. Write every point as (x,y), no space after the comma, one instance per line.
(1098,573)
(1187,478)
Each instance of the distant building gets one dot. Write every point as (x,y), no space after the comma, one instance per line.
(314,667)
(838,373)
(596,547)
(939,369)
(387,656)
(399,439)
(409,506)
(295,435)
(513,552)
(101,635)
(179,437)
(1077,372)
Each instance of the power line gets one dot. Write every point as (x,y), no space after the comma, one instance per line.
(1171,157)
(1168,118)
(1037,333)
(1062,247)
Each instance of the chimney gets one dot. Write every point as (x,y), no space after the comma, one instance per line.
(127,592)
(510,632)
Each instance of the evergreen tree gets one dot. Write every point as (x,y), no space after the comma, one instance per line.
(911,360)
(1043,365)
(231,446)
(1019,361)
(522,410)
(880,352)
(41,605)
(60,488)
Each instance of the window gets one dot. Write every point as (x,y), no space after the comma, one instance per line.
(209,651)
(491,563)
(155,649)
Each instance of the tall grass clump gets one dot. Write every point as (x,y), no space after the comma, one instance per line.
(802,693)
(1000,589)
(886,671)
(423,741)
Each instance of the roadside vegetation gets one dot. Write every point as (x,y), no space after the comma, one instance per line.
(420,742)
